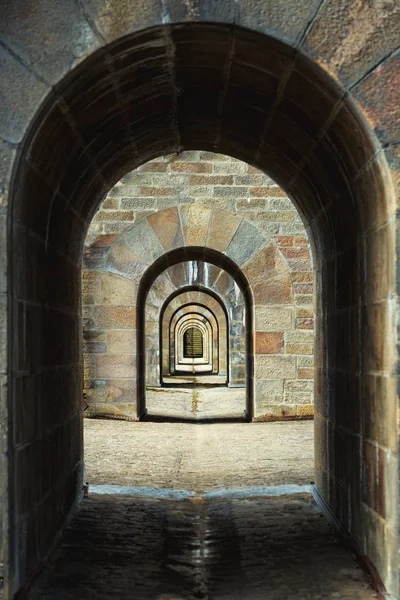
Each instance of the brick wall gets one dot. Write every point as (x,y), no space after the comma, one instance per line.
(213,180)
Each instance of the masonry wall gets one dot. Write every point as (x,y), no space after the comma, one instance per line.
(285,325)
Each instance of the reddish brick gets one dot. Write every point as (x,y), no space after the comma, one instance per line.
(105,240)
(268,342)
(300,240)
(295,252)
(154,167)
(271,192)
(211,180)
(305,373)
(186,167)
(302,277)
(284,240)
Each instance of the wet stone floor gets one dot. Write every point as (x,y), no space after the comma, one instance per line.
(200,510)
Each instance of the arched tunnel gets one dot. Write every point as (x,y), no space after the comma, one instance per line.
(89,99)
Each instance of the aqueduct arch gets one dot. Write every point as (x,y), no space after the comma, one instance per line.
(68,136)
(192,295)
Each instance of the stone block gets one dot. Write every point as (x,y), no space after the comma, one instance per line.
(284,20)
(274,367)
(124,262)
(51,39)
(167,227)
(143,242)
(195,221)
(305,373)
(223,226)
(247,241)
(268,392)
(298,397)
(117,18)
(298,385)
(348,38)
(277,290)
(115,290)
(114,367)
(121,341)
(18,107)
(273,318)
(299,348)
(115,317)
(122,390)
(7,157)
(265,264)
(305,411)
(268,342)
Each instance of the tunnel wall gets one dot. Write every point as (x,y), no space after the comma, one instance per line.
(331,140)
(176,306)
(281,387)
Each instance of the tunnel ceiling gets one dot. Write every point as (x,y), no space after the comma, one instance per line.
(196,86)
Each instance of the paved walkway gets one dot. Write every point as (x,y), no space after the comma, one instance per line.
(196,403)
(198,456)
(126,548)
(187,512)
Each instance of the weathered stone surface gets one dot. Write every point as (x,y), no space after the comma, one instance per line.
(115,19)
(18,106)
(166,225)
(223,226)
(122,390)
(116,366)
(285,20)
(112,317)
(265,264)
(195,222)
(268,343)
(274,367)
(51,39)
(350,39)
(273,318)
(7,157)
(143,242)
(121,341)
(125,263)
(277,290)
(247,241)
(114,289)
(267,392)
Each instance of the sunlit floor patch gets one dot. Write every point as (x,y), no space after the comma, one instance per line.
(256,491)
(147,492)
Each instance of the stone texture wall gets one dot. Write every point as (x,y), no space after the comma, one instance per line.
(283,294)
(77,117)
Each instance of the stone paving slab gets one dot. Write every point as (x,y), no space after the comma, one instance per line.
(198,456)
(277,548)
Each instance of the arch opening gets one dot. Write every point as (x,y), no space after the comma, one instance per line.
(315,144)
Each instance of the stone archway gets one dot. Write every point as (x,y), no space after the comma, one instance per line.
(323,132)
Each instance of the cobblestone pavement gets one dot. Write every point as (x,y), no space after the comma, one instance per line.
(121,548)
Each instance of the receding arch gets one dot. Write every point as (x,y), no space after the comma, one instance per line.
(218,259)
(193,312)
(305,131)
